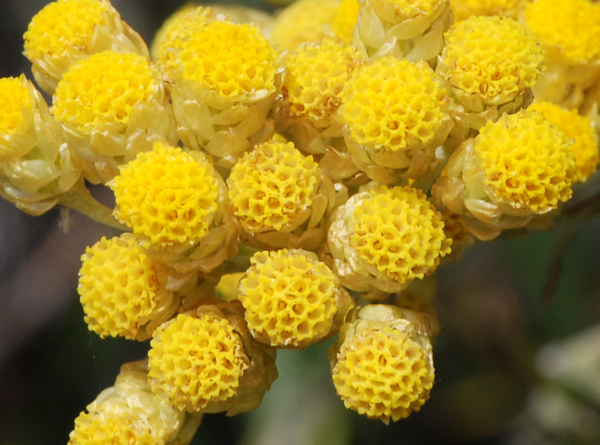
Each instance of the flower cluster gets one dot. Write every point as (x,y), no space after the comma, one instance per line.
(283,180)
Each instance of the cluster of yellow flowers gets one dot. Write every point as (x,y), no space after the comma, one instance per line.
(280,180)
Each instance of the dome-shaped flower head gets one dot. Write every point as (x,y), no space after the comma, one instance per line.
(395,114)
(463,9)
(276,189)
(129,413)
(206,361)
(36,165)
(172,199)
(112,106)
(66,31)
(410,29)
(520,166)
(123,290)
(384,238)
(224,83)
(577,128)
(303,21)
(382,364)
(490,61)
(292,299)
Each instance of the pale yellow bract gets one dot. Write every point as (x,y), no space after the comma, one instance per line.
(383,373)
(392,104)
(527,161)
(15,101)
(102,89)
(491,57)
(577,128)
(167,196)
(290,297)
(196,361)
(61,25)
(399,231)
(272,186)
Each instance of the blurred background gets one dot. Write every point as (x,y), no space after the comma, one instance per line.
(512,366)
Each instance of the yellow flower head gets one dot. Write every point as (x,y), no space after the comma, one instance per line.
(316,75)
(15,105)
(399,231)
(102,90)
(272,186)
(290,297)
(344,20)
(176,30)
(196,361)
(120,288)
(491,57)
(410,9)
(167,196)
(393,104)
(463,9)
(230,59)
(570,26)
(302,21)
(527,161)
(579,129)
(61,25)
(382,368)
(114,429)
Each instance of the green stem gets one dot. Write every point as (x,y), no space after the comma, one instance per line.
(80,199)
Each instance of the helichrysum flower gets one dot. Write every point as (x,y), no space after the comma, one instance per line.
(112,106)
(173,200)
(66,31)
(224,84)
(292,299)
(277,195)
(344,20)
(303,21)
(410,29)
(518,167)
(206,361)
(580,130)
(36,165)
(395,113)
(128,413)
(490,62)
(382,364)
(123,290)
(312,92)
(385,238)
(463,9)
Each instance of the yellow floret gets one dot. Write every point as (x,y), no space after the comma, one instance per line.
(410,9)
(229,59)
(303,21)
(61,25)
(15,102)
(119,287)
(102,89)
(196,361)
(463,9)
(383,374)
(569,26)
(113,429)
(527,161)
(579,129)
(491,57)
(272,186)
(344,20)
(399,231)
(176,30)
(289,297)
(316,75)
(167,195)
(393,104)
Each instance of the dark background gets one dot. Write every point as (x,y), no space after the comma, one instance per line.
(509,368)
